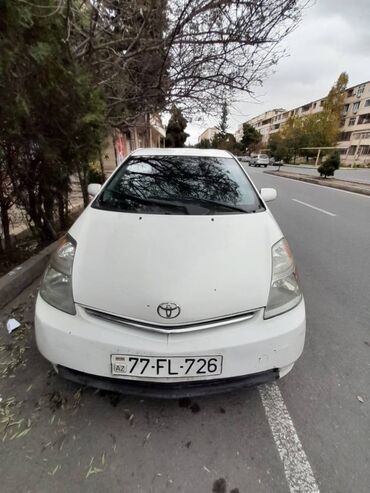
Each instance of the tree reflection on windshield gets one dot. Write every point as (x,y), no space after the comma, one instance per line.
(167,184)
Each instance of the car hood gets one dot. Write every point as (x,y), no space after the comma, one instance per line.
(210,266)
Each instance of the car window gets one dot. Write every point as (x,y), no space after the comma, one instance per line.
(179,185)
(263,156)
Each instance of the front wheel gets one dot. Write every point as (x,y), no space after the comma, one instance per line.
(265,165)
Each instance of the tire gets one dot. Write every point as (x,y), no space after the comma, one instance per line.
(265,165)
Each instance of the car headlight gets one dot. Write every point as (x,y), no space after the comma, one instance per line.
(56,287)
(285,293)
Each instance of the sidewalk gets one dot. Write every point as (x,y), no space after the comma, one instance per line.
(349,186)
(360,175)
(312,166)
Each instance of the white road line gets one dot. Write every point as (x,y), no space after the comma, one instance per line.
(313,207)
(297,468)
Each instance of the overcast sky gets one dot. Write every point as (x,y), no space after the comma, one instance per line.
(333,36)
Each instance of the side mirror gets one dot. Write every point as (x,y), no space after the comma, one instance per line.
(93,189)
(268,194)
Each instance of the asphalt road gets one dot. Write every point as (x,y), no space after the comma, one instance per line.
(80,440)
(360,175)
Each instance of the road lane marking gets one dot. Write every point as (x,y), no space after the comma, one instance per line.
(297,468)
(314,207)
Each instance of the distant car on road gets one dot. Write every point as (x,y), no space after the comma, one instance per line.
(175,281)
(245,159)
(260,160)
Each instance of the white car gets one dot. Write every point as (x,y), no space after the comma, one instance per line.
(175,281)
(245,159)
(260,160)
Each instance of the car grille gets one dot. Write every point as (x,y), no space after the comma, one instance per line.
(167,328)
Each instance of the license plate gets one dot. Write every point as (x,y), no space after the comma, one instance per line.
(158,366)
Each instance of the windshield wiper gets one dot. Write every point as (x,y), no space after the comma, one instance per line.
(149,200)
(218,204)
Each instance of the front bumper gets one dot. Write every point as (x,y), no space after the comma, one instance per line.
(173,390)
(253,350)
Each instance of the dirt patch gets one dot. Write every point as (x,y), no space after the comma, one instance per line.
(219,486)
(186,403)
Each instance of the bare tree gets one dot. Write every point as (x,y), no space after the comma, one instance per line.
(218,47)
(149,54)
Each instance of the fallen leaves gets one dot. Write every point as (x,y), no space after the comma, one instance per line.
(11,427)
(147,438)
(12,353)
(56,400)
(55,470)
(93,469)
(21,434)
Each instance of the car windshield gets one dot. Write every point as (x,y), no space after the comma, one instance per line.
(263,156)
(192,185)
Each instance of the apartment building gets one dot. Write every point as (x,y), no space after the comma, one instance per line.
(208,134)
(354,138)
(263,123)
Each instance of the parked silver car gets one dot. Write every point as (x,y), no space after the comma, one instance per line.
(245,159)
(260,160)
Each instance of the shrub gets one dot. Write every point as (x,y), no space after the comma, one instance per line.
(331,164)
(94,173)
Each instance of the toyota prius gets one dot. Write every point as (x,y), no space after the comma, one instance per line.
(175,281)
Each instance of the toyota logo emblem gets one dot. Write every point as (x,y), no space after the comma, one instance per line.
(168,310)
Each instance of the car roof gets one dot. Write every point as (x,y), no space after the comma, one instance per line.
(181,151)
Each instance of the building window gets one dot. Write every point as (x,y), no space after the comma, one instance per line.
(360,90)
(349,93)
(363,119)
(345,108)
(361,136)
(352,150)
(355,107)
(352,121)
(364,150)
(344,136)
(367,102)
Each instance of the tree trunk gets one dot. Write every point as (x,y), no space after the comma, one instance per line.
(115,150)
(61,212)
(102,166)
(48,232)
(83,185)
(42,224)
(5,222)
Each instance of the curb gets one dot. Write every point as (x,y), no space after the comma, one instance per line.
(348,187)
(18,279)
